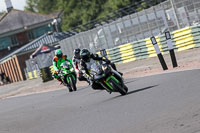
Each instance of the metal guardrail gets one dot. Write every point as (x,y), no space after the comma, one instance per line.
(33,75)
(183,39)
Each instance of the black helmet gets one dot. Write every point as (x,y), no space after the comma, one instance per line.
(85,55)
(77,52)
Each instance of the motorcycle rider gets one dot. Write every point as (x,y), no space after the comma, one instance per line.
(58,59)
(76,63)
(87,59)
(76,58)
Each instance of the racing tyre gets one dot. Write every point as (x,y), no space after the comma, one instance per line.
(121,90)
(72,83)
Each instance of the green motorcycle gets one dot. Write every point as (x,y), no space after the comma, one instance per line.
(107,77)
(68,76)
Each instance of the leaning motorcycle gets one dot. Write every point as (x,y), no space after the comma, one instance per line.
(68,76)
(110,79)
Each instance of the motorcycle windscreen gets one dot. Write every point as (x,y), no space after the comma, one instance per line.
(65,65)
(95,69)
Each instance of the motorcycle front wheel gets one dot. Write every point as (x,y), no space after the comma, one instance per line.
(119,88)
(72,83)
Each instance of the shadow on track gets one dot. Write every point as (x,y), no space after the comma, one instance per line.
(130,92)
(138,90)
(66,91)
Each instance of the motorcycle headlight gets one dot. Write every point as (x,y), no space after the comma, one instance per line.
(72,69)
(65,72)
(104,67)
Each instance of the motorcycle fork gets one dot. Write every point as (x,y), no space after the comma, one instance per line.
(108,84)
(106,87)
(69,76)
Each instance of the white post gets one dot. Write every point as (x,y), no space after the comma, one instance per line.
(159,54)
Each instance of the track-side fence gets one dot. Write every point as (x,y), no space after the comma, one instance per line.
(170,15)
(128,38)
(183,39)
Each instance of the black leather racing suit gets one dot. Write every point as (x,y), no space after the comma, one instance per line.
(86,65)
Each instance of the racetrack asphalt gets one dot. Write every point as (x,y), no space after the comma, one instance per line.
(163,103)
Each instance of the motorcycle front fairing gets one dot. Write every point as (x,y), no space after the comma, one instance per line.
(101,74)
(67,70)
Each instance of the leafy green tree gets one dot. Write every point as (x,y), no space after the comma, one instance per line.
(80,12)
(31,5)
(46,6)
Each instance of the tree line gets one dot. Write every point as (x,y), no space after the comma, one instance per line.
(80,12)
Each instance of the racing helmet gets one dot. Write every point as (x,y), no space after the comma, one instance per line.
(59,53)
(85,55)
(77,52)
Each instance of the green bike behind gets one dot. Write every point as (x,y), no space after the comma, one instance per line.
(64,71)
(68,75)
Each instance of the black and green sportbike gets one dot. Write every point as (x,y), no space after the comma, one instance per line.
(107,77)
(68,76)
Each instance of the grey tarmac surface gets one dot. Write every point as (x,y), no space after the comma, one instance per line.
(164,103)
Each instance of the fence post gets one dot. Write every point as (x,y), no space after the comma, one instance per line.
(159,54)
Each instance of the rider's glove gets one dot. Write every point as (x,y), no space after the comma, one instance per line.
(58,71)
(108,62)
